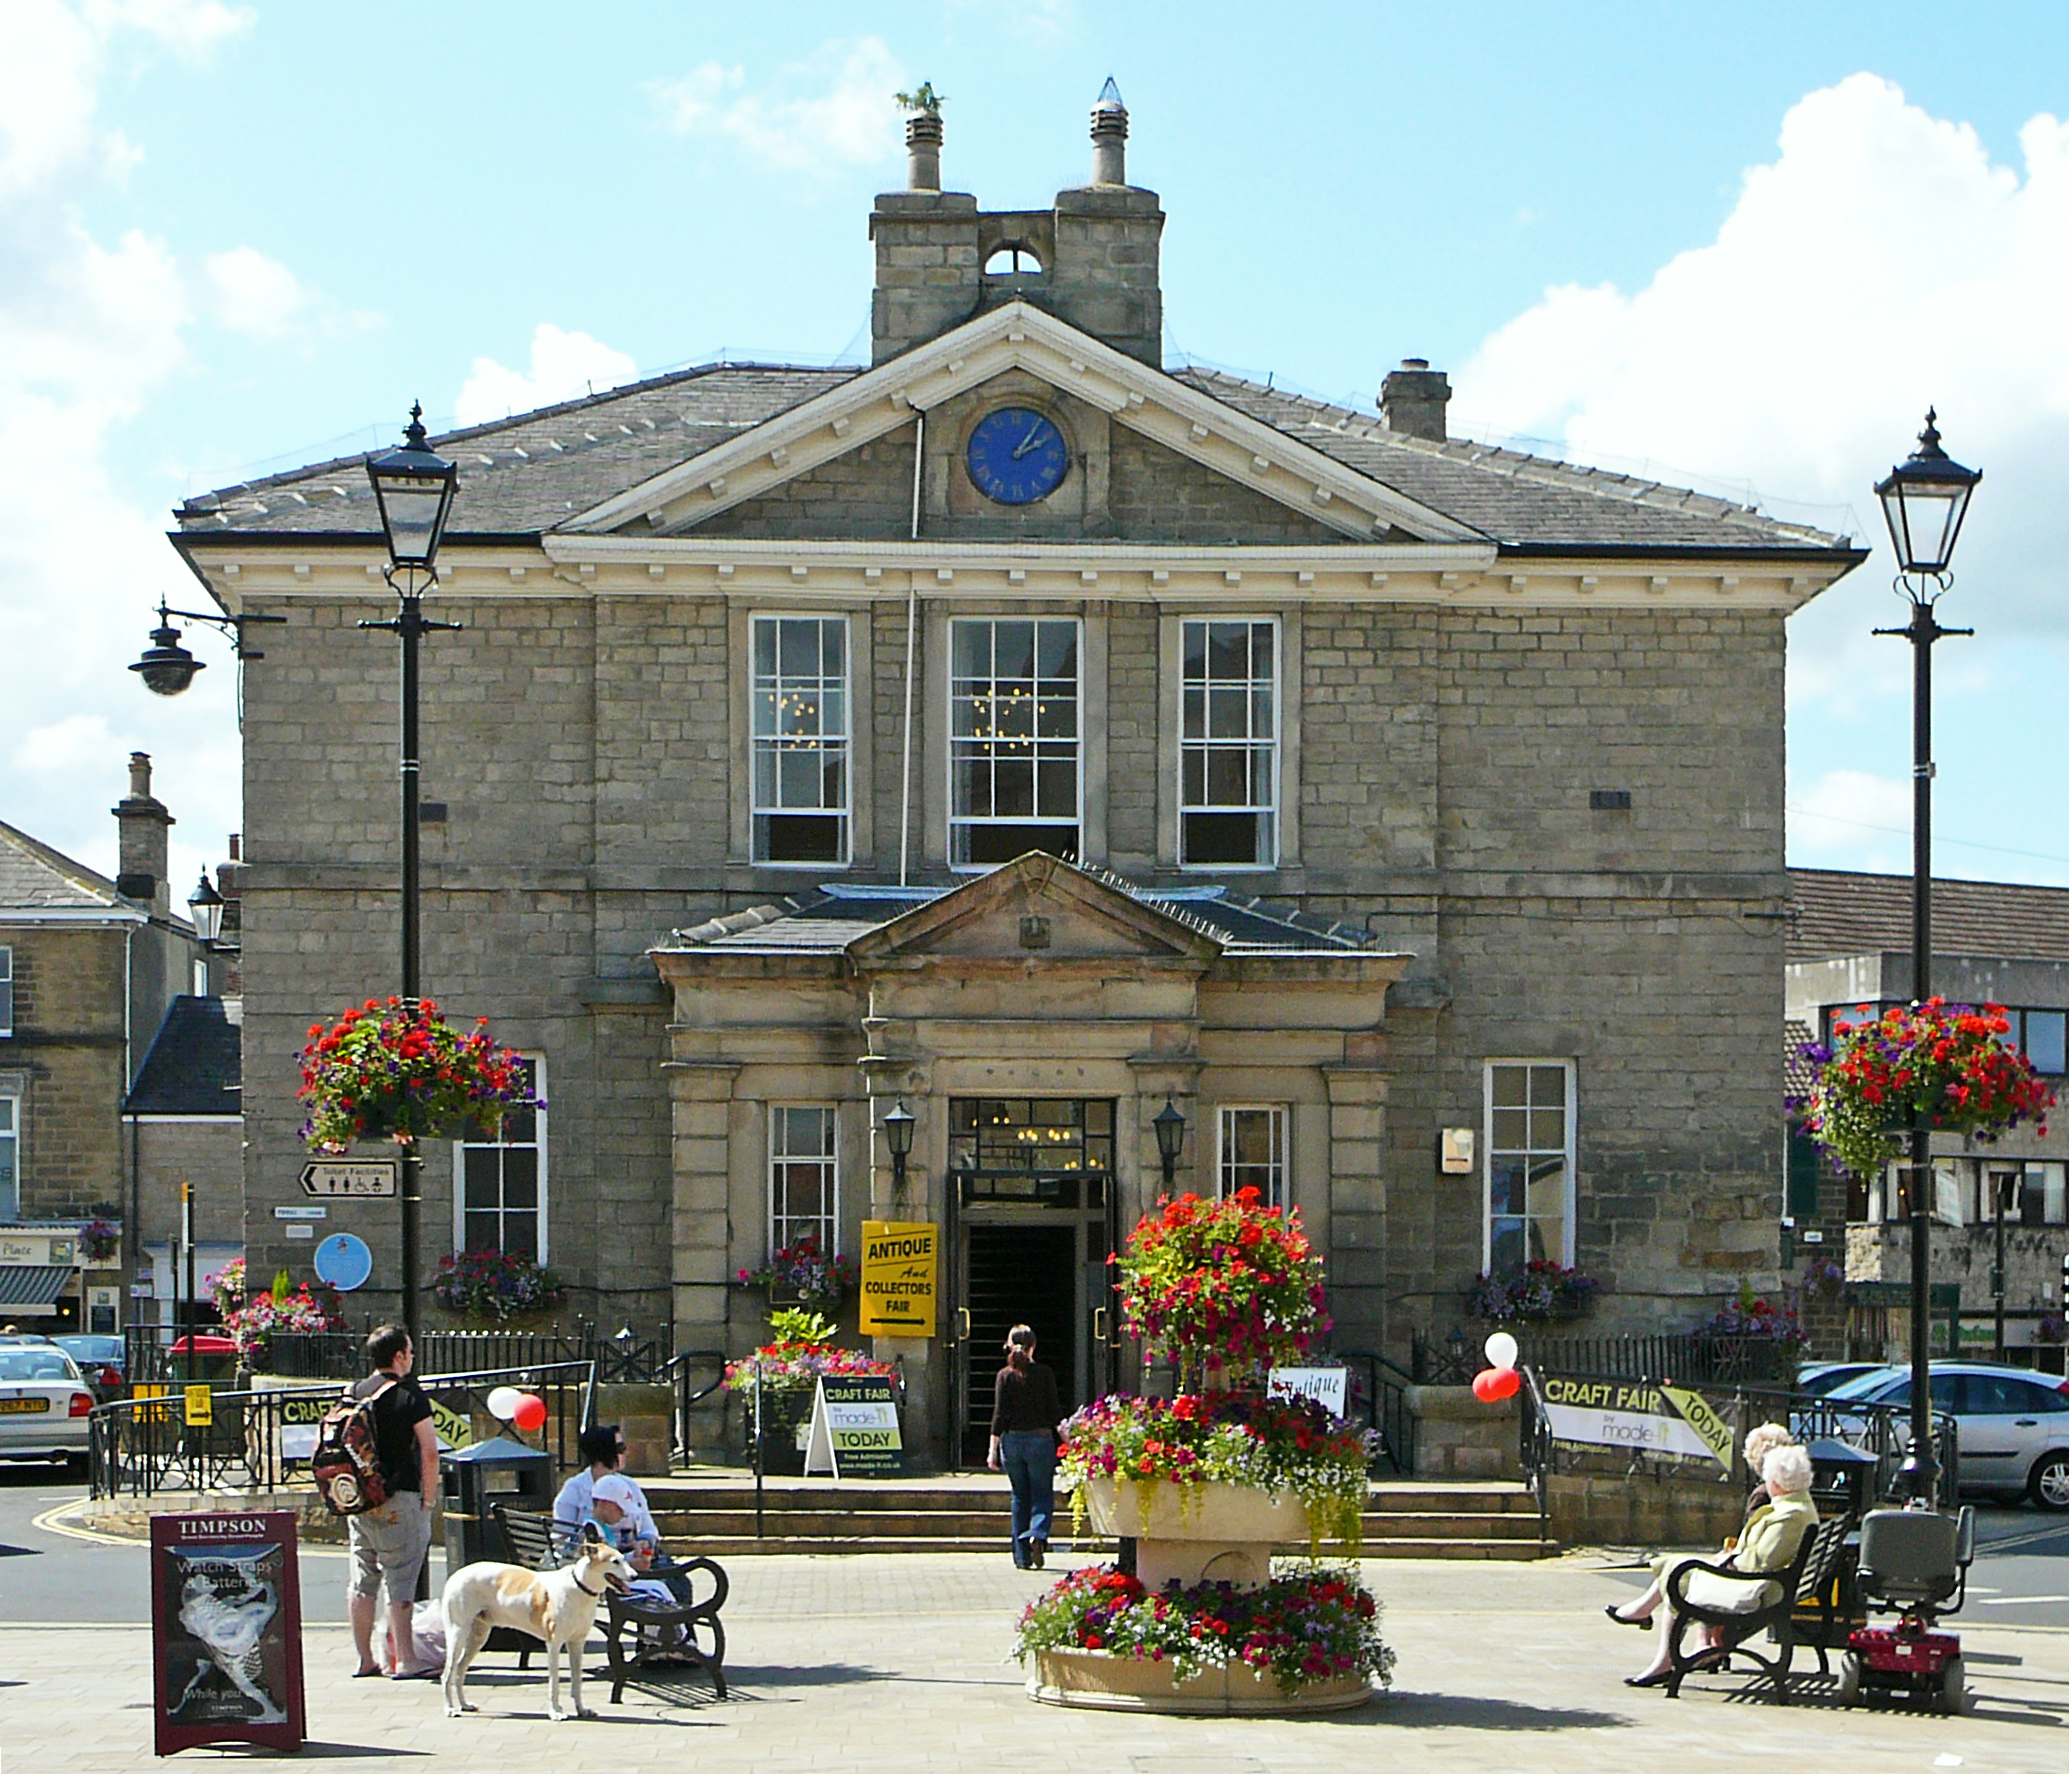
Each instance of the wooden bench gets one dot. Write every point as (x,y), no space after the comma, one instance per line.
(686,1631)
(1809,1576)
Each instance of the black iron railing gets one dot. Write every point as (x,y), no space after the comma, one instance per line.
(1683,1358)
(1378,1400)
(625,1356)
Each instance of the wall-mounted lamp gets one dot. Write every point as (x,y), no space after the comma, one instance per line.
(898,1125)
(1170,1126)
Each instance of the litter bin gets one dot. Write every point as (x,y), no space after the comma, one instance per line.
(475,1480)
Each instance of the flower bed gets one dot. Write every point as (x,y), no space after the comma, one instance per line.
(396,1071)
(1307,1628)
(1540,1293)
(1751,1316)
(1275,1445)
(305,1309)
(1947,1065)
(798,1366)
(1225,1280)
(491,1284)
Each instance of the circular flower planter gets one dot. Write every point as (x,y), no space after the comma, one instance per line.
(1210,1533)
(1130,1684)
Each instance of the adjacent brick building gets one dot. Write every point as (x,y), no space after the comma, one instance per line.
(1410,785)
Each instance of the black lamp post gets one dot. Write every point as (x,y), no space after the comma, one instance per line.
(1924,500)
(413,488)
(167,668)
(1170,1126)
(898,1126)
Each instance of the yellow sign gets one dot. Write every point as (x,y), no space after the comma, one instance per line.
(150,1413)
(200,1407)
(901,1266)
(1696,1413)
(455,1428)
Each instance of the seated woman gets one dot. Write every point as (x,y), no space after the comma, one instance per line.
(1769,1542)
(619,1509)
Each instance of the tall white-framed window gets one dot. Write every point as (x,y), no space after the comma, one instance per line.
(1253,1151)
(6,990)
(801,771)
(1228,754)
(1015,743)
(499,1185)
(10,1157)
(1530,1115)
(804,1175)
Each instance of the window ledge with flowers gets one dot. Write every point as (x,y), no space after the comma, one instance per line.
(1209,1482)
(491,1287)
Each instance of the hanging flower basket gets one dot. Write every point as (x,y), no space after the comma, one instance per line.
(494,1286)
(1945,1065)
(801,1274)
(1542,1293)
(393,1071)
(100,1240)
(1224,1282)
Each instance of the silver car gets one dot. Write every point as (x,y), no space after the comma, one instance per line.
(2013,1423)
(44,1401)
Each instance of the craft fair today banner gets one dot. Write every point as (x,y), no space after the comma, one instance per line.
(1636,1417)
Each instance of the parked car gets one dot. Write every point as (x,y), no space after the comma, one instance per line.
(44,1401)
(100,1359)
(2011,1424)
(1820,1379)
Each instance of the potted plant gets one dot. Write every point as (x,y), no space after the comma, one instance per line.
(1539,1293)
(1208,1484)
(399,1071)
(1940,1065)
(801,1274)
(99,1241)
(283,1308)
(782,1376)
(495,1286)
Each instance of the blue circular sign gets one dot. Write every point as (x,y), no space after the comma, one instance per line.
(344,1261)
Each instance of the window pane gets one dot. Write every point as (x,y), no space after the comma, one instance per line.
(2044,1041)
(1510,1084)
(800,715)
(1015,756)
(1547,1087)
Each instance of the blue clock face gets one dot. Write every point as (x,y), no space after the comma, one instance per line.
(1016,456)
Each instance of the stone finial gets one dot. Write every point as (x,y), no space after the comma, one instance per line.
(923,151)
(1412,400)
(1109,137)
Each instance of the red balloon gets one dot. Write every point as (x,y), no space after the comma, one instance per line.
(530,1412)
(1485,1384)
(1506,1380)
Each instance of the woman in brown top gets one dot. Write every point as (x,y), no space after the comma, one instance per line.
(1024,1414)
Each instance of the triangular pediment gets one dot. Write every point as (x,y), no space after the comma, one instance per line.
(1019,337)
(1037,908)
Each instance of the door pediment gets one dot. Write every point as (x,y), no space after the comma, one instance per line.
(1038,908)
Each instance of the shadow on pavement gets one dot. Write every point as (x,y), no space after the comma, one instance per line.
(1475,1712)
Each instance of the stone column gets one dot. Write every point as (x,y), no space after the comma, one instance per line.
(701,1094)
(1356,1233)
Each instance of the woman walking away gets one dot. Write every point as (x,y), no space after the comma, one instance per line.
(1024,1414)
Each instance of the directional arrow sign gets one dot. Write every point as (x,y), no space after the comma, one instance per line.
(326,1176)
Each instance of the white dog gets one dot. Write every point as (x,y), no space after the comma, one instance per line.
(557,1606)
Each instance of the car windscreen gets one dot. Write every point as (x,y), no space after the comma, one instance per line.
(29,1364)
(1865,1386)
(92,1348)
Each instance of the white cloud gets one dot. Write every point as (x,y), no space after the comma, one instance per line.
(1848,819)
(564,366)
(254,294)
(834,107)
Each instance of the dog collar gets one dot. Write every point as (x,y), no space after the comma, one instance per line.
(585,1589)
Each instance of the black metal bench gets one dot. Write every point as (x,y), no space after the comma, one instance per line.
(685,1631)
(1808,1578)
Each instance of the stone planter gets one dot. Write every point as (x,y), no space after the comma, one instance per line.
(1213,1533)
(1129,1684)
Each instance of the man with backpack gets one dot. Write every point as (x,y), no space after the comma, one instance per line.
(391,1537)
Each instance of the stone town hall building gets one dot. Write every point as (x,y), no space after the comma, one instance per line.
(1030,734)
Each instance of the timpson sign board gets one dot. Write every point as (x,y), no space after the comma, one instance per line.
(1635,1417)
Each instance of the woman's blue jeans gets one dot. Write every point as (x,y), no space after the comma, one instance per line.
(1029,1457)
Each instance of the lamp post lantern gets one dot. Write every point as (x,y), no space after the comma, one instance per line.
(1924,500)
(1170,1126)
(167,668)
(205,910)
(413,490)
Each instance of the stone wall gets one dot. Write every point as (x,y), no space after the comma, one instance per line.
(1646,1510)
(1458,1437)
(67,1056)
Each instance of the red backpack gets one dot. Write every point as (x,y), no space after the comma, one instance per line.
(347,1462)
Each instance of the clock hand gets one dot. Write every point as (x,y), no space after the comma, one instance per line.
(1028,442)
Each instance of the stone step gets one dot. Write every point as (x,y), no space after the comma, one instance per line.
(746,1546)
(904,1496)
(968,1523)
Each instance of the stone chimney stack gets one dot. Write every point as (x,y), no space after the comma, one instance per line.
(142,822)
(1412,400)
(923,151)
(1109,137)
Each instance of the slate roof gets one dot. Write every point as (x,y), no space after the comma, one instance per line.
(1838,912)
(35,878)
(195,1066)
(826,919)
(1510,497)
(527,474)
(1797,1075)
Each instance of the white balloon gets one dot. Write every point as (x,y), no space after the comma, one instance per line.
(1501,1350)
(503,1402)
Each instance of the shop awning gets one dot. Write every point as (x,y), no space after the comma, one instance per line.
(35,1287)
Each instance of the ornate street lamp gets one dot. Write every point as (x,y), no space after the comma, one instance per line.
(413,489)
(1170,1126)
(898,1126)
(1924,500)
(167,668)
(205,910)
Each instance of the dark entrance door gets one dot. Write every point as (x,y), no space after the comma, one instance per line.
(1017,1274)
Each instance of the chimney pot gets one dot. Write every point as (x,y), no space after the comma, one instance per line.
(141,822)
(1412,400)
(140,774)
(1109,137)
(923,151)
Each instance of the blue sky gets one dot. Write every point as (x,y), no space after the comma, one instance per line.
(1740,247)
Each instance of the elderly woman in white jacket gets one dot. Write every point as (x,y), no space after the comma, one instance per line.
(1769,1542)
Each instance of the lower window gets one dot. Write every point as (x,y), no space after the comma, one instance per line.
(501,1185)
(1529,1182)
(804,1175)
(1253,1153)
